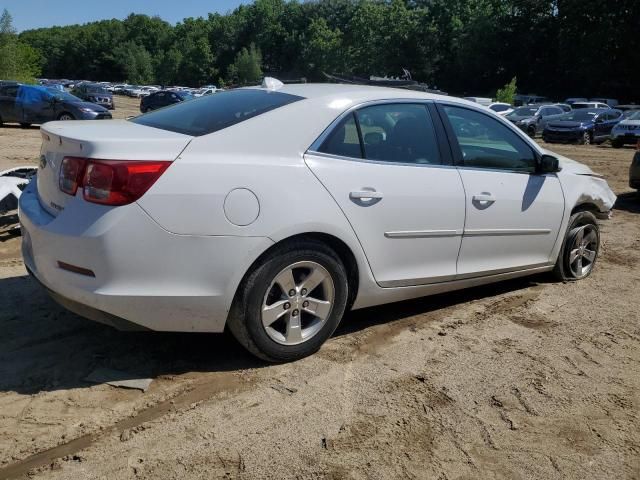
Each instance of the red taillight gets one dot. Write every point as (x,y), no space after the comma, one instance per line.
(109,182)
(71,173)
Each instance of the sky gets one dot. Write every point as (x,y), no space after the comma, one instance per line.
(29,14)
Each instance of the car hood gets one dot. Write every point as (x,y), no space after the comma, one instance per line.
(595,188)
(88,105)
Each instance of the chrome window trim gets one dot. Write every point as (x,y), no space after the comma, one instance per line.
(378,162)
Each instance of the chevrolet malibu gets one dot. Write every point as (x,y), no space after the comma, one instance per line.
(271,211)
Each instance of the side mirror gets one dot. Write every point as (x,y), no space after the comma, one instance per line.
(549,164)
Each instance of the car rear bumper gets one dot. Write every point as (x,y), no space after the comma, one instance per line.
(141,276)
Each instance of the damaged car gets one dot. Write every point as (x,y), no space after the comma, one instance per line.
(380,195)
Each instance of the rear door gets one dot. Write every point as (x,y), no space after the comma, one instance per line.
(513,214)
(397,187)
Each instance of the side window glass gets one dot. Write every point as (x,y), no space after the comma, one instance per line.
(343,140)
(399,133)
(486,143)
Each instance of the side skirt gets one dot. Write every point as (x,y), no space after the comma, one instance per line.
(397,294)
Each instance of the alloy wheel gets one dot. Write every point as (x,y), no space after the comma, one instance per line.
(66,117)
(583,251)
(298,303)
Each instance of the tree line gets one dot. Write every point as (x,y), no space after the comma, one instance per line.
(553,47)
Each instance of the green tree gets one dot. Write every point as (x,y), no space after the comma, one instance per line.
(18,61)
(247,66)
(506,93)
(135,62)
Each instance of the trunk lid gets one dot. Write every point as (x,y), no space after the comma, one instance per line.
(113,140)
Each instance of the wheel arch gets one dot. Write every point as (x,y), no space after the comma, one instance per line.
(341,249)
(586,207)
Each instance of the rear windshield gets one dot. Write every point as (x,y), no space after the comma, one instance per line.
(211,113)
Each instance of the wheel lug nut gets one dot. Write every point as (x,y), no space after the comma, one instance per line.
(305,304)
(295,313)
(304,291)
(287,306)
(292,292)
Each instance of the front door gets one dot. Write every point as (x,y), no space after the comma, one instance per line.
(383,167)
(513,213)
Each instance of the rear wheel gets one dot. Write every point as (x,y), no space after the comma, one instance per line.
(291,303)
(586,139)
(531,131)
(66,116)
(580,248)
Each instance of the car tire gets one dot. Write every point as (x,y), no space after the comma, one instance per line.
(531,131)
(262,294)
(617,143)
(25,125)
(65,116)
(586,139)
(580,248)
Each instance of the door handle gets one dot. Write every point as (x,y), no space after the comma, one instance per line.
(365,198)
(365,195)
(484,198)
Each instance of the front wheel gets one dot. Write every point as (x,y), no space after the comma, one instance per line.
(291,303)
(580,248)
(586,139)
(66,116)
(531,131)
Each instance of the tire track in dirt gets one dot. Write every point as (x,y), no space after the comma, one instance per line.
(211,385)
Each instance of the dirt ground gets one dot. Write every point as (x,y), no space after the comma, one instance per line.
(527,379)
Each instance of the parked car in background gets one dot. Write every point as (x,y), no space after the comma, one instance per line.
(631,106)
(634,170)
(564,106)
(611,102)
(480,100)
(227,243)
(532,119)
(572,100)
(163,98)
(521,100)
(29,104)
(583,126)
(501,108)
(626,132)
(94,93)
(132,91)
(589,105)
(204,91)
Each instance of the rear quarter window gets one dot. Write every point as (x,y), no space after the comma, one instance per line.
(212,113)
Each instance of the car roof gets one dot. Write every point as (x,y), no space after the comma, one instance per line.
(358,93)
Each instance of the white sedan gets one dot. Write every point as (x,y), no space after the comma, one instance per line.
(273,211)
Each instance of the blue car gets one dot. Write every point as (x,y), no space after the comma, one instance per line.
(30,104)
(585,126)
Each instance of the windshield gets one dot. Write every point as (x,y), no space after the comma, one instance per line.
(184,95)
(579,116)
(63,96)
(524,112)
(499,108)
(211,113)
(632,115)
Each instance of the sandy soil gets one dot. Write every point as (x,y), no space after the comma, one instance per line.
(524,379)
